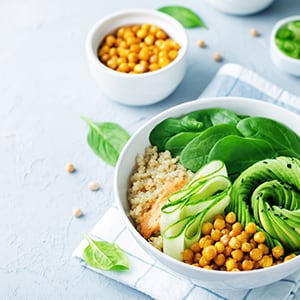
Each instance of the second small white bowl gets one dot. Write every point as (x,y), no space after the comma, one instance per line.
(137,89)
(240,7)
(282,61)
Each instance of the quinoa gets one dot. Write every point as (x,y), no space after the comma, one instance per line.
(151,172)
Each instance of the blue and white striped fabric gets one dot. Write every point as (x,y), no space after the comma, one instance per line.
(231,80)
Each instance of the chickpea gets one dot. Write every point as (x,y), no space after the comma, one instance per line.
(220,247)
(110,40)
(139,68)
(256,254)
(234,243)
(206,228)
(230,217)
(250,228)
(230,264)
(277,252)
(172,54)
(209,252)
(237,227)
(259,237)
(225,239)
(219,223)
(227,251)
(149,39)
(195,247)
(237,254)
(203,261)
(187,255)
(197,257)
(217,56)
(76,212)
(216,234)
(220,259)
(246,247)
(247,265)
(201,43)
(160,34)
(266,261)
(93,186)
(264,248)
(70,168)
(154,67)
(204,242)
(254,32)
(289,257)
(141,33)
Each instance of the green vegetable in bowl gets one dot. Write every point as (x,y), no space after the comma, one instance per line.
(203,197)
(219,134)
(288,39)
(268,193)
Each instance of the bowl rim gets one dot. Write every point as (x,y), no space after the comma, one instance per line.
(275,28)
(242,8)
(129,225)
(135,11)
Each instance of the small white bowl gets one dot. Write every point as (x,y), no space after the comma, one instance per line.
(137,89)
(282,61)
(137,144)
(240,7)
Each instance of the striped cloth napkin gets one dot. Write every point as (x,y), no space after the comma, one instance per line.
(231,80)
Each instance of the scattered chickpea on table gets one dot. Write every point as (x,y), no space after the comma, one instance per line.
(138,49)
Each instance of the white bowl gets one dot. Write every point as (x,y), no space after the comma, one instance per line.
(240,7)
(282,61)
(137,144)
(137,89)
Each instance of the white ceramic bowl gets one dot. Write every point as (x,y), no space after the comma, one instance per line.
(137,89)
(240,7)
(137,144)
(285,63)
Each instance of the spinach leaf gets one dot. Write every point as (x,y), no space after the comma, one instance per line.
(105,256)
(238,153)
(163,131)
(178,142)
(195,153)
(214,116)
(106,140)
(284,140)
(183,15)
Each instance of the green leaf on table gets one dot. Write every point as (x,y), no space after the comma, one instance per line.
(106,140)
(183,15)
(105,256)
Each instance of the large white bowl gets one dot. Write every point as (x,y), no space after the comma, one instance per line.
(137,144)
(240,7)
(137,89)
(282,61)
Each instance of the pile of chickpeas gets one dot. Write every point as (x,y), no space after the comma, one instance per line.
(138,49)
(225,245)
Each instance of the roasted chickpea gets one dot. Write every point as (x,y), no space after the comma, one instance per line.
(147,46)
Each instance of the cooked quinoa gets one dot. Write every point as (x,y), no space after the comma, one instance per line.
(151,172)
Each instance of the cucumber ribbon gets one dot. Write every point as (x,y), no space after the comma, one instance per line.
(203,197)
(268,193)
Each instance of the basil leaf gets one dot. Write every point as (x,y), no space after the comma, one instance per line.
(105,256)
(183,15)
(106,140)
